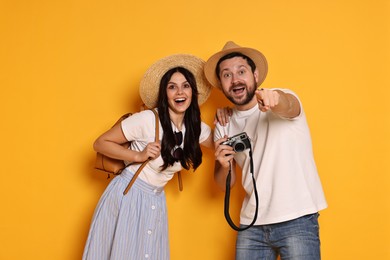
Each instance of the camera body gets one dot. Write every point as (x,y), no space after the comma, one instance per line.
(239,142)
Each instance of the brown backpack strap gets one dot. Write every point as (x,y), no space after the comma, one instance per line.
(180,181)
(156,138)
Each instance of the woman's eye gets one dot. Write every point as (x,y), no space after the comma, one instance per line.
(187,85)
(171,86)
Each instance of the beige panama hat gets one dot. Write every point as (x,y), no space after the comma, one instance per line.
(257,57)
(150,82)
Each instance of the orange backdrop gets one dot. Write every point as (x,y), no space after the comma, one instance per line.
(68,69)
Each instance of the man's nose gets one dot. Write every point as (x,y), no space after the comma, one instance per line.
(235,79)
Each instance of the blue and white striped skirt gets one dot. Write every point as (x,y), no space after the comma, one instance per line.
(132,226)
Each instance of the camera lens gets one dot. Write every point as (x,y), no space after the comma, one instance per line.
(239,147)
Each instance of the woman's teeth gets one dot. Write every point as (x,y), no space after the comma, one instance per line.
(180,100)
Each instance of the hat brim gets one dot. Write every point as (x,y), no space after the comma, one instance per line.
(257,57)
(150,82)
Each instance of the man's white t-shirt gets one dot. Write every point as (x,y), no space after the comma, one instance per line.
(286,175)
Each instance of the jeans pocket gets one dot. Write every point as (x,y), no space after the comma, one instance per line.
(312,219)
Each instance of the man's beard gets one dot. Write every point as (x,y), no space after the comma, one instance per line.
(249,94)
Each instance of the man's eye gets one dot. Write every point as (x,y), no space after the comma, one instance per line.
(226,75)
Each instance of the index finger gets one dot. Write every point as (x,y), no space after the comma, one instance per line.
(221,140)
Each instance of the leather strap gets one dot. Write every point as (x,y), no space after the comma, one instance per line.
(180,181)
(227,197)
(145,162)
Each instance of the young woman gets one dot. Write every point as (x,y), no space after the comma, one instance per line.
(134,226)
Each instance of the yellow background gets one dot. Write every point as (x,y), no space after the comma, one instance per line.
(70,68)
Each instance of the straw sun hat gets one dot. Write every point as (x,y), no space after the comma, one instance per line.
(150,82)
(257,57)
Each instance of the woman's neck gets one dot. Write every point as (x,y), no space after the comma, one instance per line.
(177,119)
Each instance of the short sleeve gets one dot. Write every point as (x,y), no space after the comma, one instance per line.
(205,132)
(139,126)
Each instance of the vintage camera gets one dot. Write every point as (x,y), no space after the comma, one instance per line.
(239,142)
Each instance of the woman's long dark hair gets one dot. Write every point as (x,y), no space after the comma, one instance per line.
(192,152)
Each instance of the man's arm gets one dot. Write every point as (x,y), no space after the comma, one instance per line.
(281,103)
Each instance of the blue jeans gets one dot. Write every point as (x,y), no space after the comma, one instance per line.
(297,239)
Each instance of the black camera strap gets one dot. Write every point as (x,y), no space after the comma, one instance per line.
(227,196)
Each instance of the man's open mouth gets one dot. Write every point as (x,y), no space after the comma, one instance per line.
(238,89)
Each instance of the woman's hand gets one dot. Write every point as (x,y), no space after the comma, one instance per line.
(152,151)
(222,116)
